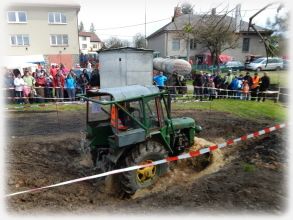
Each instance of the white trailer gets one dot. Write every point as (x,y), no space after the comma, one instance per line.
(125,66)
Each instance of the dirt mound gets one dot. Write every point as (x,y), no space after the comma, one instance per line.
(247,176)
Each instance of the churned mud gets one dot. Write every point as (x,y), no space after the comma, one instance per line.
(44,148)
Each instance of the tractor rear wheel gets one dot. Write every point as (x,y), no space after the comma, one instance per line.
(144,153)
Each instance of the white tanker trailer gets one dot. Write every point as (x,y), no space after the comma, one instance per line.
(170,66)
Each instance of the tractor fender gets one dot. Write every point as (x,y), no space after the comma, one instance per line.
(116,154)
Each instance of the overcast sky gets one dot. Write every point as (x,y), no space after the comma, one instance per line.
(107,15)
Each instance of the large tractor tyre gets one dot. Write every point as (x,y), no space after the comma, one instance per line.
(144,153)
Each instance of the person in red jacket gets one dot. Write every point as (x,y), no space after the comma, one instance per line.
(58,84)
(40,86)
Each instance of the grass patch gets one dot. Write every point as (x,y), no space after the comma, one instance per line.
(46,107)
(248,167)
(245,109)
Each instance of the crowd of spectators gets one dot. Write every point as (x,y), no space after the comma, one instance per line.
(44,85)
(59,83)
(245,87)
(211,86)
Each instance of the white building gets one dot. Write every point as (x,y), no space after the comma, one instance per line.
(37,31)
(89,42)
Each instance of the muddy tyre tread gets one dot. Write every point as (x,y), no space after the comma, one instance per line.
(148,150)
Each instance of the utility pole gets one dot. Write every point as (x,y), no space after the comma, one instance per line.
(188,43)
(145,40)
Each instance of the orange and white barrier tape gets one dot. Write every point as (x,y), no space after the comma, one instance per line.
(166,160)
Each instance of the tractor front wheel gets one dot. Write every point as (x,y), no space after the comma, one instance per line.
(144,153)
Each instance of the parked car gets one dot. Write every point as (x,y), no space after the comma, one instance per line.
(250,58)
(230,65)
(271,63)
(234,65)
(286,64)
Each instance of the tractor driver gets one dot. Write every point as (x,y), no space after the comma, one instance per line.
(124,121)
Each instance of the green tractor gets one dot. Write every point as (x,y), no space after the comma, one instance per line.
(132,125)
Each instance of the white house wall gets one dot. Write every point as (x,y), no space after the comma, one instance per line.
(158,44)
(39,32)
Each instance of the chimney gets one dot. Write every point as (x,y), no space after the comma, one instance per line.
(177,12)
(238,18)
(213,11)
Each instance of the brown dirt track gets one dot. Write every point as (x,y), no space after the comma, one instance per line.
(248,177)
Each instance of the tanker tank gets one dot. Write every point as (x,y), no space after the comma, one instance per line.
(170,66)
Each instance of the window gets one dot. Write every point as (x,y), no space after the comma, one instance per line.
(94,46)
(19,40)
(271,61)
(56,18)
(59,40)
(154,113)
(84,46)
(84,38)
(245,46)
(16,17)
(192,44)
(176,44)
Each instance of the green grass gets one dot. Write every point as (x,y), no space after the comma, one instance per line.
(46,107)
(245,109)
(249,167)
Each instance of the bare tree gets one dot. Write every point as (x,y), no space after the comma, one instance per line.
(92,28)
(125,43)
(115,42)
(216,32)
(139,41)
(278,41)
(80,26)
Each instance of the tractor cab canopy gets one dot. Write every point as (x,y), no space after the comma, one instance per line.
(130,112)
(125,93)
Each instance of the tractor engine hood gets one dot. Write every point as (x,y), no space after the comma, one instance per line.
(184,122)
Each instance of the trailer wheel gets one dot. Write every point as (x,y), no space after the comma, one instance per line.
(144,153)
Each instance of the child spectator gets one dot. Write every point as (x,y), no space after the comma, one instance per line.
(245,90)
(19,83)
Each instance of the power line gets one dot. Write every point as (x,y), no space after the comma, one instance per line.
(134,25)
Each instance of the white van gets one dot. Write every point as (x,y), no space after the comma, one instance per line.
(274,63)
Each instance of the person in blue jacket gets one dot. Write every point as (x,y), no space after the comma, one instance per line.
(160,80)
(70,85)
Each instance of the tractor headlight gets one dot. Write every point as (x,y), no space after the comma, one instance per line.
(198,128)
